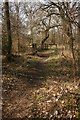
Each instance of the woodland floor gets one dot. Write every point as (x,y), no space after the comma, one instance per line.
(40,87)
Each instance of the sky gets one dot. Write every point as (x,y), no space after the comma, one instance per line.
(40,0)
(23,0)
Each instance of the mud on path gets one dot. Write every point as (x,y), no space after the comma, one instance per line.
(36,88)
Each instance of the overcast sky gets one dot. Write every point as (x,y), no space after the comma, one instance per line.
(41,0)
(24,0)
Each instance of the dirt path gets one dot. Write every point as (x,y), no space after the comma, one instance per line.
(19,84)
(32,89)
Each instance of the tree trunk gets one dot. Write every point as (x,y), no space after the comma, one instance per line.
(68,29)
(46,37)
(79,41)
(9,49)
(71,43)
(17,12)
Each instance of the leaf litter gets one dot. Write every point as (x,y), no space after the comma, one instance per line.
(48,98)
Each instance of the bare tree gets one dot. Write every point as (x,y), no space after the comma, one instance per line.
(8,25)
(67,13)
(17,15)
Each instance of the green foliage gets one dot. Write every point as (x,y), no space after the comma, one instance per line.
(78,114)
(39,97)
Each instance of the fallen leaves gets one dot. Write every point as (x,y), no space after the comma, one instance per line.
(53,98)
